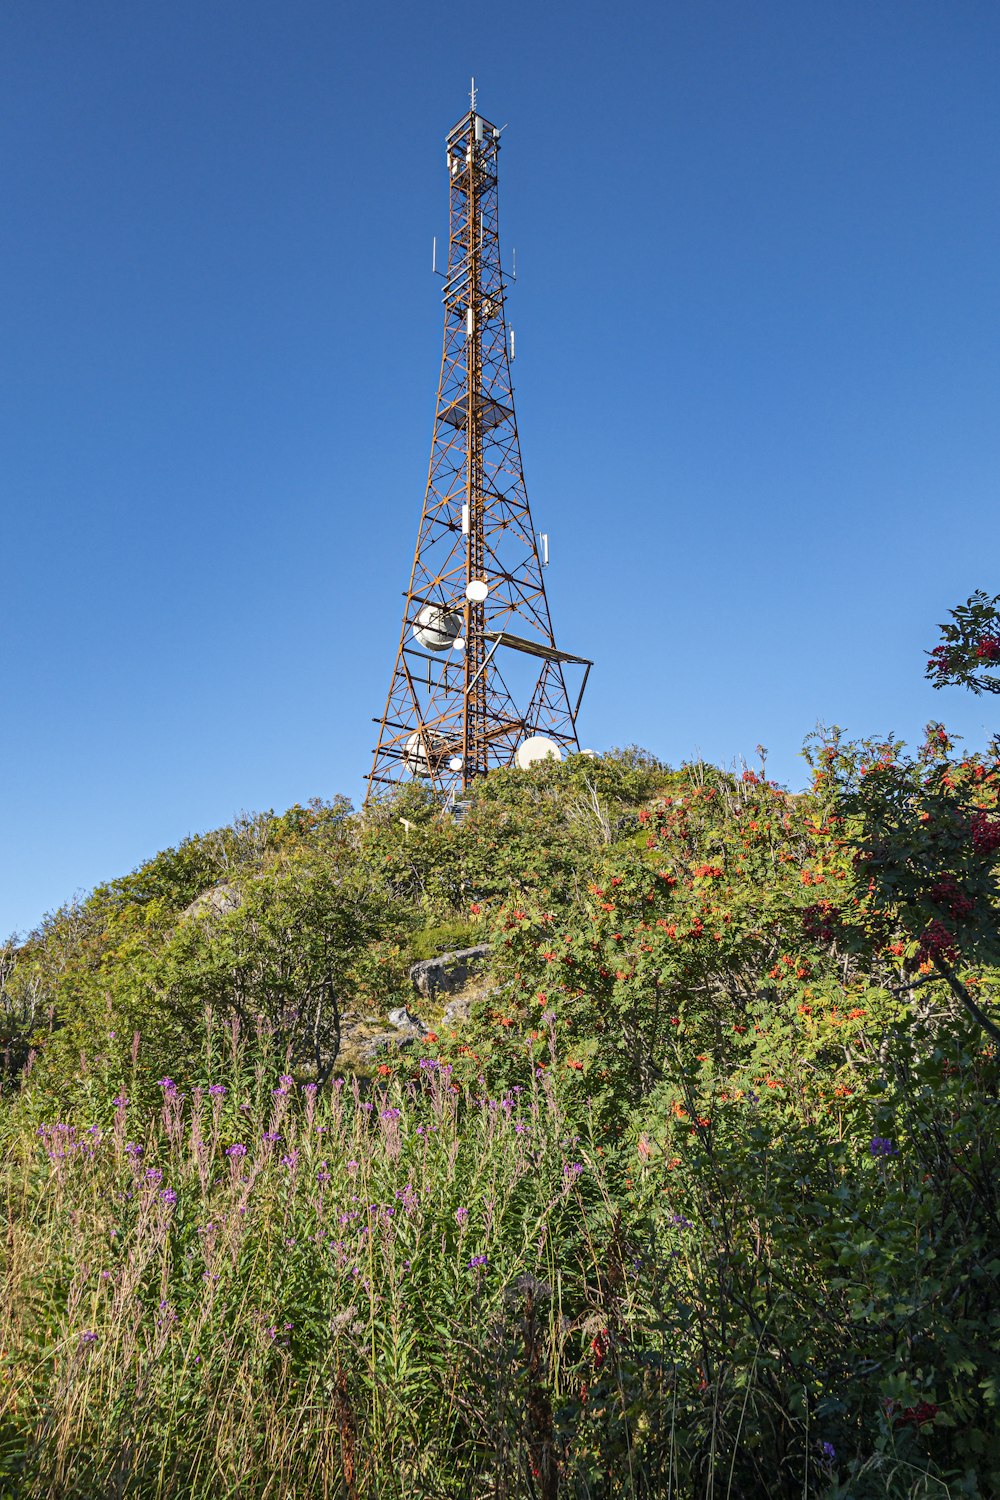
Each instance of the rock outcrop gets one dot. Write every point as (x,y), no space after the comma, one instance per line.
(446,973)
(216,902)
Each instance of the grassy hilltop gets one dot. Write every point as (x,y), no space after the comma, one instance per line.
(699,1198)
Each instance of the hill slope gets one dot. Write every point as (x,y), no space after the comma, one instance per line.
(702,1193)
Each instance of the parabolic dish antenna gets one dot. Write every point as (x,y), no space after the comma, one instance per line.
(537,747)
(436,628)
(477,591)
(415,752)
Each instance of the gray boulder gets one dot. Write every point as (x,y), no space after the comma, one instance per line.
(405,1020)
(456,1010)
(216,902)
(446,973)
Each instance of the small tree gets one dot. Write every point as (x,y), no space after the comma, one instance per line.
(970,645)
(306,940)
(926,829)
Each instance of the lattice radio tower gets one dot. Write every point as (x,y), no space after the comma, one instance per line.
(478,681)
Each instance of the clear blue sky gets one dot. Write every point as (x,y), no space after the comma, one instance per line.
(757,380)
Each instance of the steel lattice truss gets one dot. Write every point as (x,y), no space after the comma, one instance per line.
(474,677)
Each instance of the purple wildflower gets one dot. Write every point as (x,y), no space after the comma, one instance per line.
(88,1337)
(120,1101)
(133,1150)
(477,1260)
(461,1216)
(828,1451)
(217,1090)
(167,1084)
(390,1114)
(237,1150)
(882,1146)
(572,1169)
(153,1174)
(169,1196)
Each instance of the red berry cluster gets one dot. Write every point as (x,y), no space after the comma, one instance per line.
(915,1416)
(937,940)
(985,833)
(947,894)
(819,921)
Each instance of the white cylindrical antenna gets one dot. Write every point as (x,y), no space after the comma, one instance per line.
(543,537)
(468,324)
(512,344)
(434,255)
(513,265)
(465,520)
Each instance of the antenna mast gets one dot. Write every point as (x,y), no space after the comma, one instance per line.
(477,670)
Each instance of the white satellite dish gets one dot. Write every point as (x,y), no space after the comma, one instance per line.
(423,753)
(455,764)
(458,645)
(436,628)
(477,591)
(537,747)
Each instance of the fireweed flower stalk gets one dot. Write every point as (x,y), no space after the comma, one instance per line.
(121,1104)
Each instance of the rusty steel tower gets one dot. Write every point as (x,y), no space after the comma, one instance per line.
(478,681)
